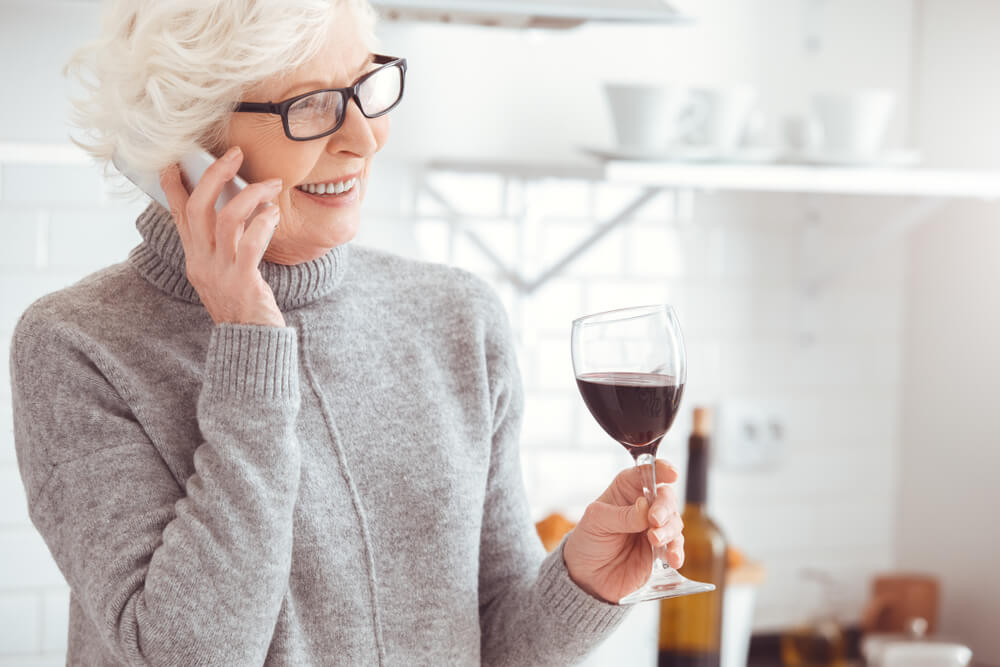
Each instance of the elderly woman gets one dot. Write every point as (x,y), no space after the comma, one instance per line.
(254,443)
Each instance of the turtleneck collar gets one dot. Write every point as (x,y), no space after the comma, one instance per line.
(160,260)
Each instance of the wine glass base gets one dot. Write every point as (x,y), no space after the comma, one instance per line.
(665,583)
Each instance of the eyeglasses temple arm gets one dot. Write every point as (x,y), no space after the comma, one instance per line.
(259,107)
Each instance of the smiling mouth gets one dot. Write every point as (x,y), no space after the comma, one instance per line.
(331,188)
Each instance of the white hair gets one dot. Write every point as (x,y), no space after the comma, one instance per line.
(164,75)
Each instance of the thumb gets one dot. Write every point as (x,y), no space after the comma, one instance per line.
(608,519)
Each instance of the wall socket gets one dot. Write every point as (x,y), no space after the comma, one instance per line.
(747,435)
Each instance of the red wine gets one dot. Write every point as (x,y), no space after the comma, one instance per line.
(636,409)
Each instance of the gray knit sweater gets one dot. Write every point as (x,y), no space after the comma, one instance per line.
(344,490)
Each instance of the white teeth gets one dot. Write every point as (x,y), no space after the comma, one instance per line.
(329,188)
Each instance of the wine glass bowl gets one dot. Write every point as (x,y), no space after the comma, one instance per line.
(636,409)
(630,369)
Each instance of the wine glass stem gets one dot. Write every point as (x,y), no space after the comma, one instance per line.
(647,471)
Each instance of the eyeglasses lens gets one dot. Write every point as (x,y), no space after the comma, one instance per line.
(315,114)
(381,90)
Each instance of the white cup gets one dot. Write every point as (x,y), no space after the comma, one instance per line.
(649,118)
(724,118)
(851,124)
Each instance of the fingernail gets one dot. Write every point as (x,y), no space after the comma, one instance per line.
(660,516)
(273,184)
(232,154)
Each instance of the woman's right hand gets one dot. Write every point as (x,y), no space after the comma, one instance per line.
(222,250)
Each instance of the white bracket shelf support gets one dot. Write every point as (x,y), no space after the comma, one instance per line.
(525,285)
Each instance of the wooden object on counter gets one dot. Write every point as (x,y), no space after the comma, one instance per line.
(740,571)
(734,557)
(745,574)
(897,599)
(552,529)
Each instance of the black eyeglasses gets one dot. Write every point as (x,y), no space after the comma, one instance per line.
(321,112)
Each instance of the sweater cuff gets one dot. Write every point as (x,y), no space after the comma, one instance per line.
(252,360)
(577,608)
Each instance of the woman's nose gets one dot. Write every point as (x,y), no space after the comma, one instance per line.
(355,135)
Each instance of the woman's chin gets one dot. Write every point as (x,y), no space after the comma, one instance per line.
(335,218)
(313,237)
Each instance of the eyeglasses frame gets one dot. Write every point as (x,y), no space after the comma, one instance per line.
(348,93)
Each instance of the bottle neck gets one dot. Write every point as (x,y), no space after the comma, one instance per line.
(696,489)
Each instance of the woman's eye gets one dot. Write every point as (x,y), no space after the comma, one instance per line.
(308,103)
(317,104)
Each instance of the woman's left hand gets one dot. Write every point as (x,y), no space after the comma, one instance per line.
(609,552)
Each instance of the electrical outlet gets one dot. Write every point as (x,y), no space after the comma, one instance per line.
(747,435)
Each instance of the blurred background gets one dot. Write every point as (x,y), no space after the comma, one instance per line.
(840,308)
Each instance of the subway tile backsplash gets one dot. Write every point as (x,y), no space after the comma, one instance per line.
(734,265)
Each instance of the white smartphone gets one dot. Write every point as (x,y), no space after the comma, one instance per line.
(193,166)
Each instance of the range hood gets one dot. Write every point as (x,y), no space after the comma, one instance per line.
(530,13)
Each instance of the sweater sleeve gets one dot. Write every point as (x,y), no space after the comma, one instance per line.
(168,573)
(531,611)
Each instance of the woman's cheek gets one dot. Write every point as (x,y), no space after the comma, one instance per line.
(381,130)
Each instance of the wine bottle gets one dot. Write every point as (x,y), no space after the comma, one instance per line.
(691,625)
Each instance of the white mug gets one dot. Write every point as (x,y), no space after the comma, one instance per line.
(723,123)
(649,118)
(851,124)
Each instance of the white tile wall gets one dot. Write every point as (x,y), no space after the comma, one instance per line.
(24,559)
(12,503)
(55,619)
(36,184)
(21,620)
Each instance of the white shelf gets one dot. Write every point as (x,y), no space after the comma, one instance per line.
(799,178)
(910,181)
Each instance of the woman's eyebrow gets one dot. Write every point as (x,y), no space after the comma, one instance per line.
(319,85)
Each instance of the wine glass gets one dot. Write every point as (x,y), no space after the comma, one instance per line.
(630,370)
